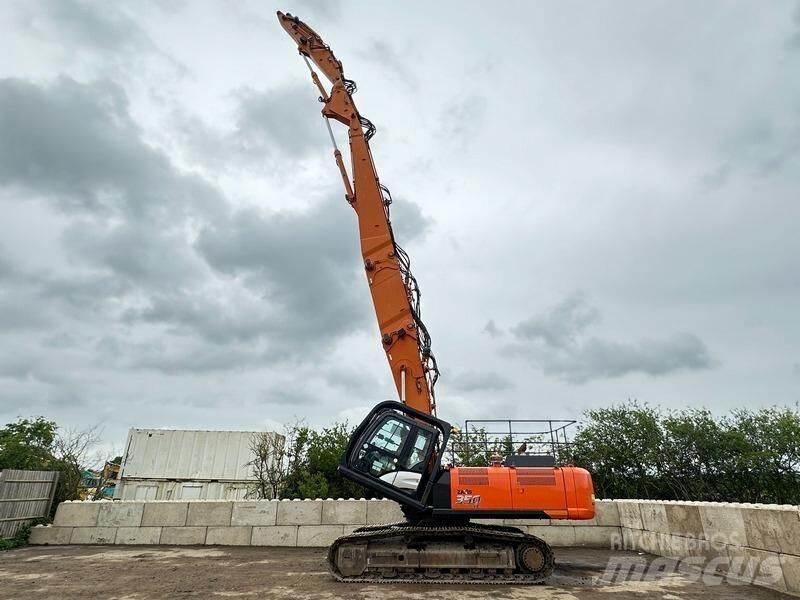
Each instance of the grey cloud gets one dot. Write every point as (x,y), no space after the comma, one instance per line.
(762,146)
(269,126)
(462,118)
(24,367)
(186,360)
(561,325)
(100,26)
(408,222)
(384,55)
(351,381)
(306,263)
(218,321)
(79,295)
(794,39)
(98,31)
(135,252)
(492,330)
(476,381)
(308,10)
(599,359)
(77,144)
(288,396)
(18,313)
(557,342)
(272,120)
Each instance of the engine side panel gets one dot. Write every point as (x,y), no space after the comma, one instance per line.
(480,488)
(548,492)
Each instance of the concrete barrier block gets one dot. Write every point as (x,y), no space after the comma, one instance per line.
(348,529)
(183,536)
(654,517)
(217,514)
(228,536)
(383,511)
(303,512)
(647,541)
(790,565)
(629,514)
(597,537)
(344,512)
(166,514)
(758,567)
(77,514)
(50,535)
(138,535)
(712,557)
(261,512)
(523,522)
(492,521)
(630,538)
(684,520)
(555,536)
(120,514)
(773,529)
(673,546)
(316,536)
(606,514)
(664,545)
(93,535)
(723,524)
(279,535)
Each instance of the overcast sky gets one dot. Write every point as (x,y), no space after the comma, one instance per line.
(600,201)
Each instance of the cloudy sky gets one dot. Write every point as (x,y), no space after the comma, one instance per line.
(600,201)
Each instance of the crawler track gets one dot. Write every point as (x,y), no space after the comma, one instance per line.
(426,553)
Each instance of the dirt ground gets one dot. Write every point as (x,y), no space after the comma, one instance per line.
(140,573)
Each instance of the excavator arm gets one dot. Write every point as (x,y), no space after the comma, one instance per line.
(395,294)
(397,450)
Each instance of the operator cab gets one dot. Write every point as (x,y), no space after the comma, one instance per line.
(395,451)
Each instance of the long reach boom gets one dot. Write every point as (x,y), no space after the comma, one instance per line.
(395,294)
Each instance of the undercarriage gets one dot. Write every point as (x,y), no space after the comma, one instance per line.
(431,552)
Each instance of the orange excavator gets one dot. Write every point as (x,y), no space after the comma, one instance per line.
(397,450)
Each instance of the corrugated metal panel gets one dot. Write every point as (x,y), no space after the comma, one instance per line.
(148,489)
(189,455)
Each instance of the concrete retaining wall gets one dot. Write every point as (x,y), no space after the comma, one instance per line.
(755,543)
(311,523)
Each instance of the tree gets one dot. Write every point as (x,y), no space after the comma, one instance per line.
(312,461)
(621,448)
(268,464)
(71,450)
(27,444)
(40,445)
(634,451)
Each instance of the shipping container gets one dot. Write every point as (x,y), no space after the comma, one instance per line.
(162,464)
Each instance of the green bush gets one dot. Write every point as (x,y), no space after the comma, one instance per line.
(636,451)
(22,536)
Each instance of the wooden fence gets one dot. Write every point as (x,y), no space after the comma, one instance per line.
(24,496)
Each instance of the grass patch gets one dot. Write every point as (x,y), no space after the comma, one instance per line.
(22,536)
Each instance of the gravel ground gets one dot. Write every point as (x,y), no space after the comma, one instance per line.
(146,572)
